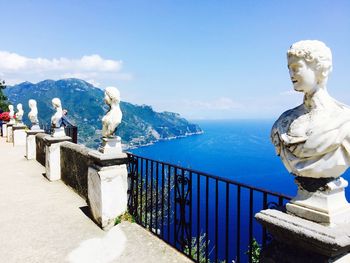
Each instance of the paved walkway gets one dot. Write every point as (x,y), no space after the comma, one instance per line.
(42,221)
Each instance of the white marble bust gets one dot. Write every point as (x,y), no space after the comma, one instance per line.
(114,115)
(33,114)
(56,118)
(11,114)
(19,114)
(313,139)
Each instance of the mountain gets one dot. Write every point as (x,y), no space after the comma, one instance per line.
(140,124)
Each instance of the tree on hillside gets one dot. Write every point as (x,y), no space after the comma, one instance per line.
(3,99)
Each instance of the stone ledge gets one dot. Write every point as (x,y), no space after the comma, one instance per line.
(308,235)
(34,132)
(108,159)
(19,127)
(48,139)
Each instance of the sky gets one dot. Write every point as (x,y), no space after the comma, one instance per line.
(203,59)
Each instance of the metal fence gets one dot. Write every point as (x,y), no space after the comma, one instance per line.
(206,217)
(72,131)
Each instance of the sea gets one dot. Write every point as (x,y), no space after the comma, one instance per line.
(239,150)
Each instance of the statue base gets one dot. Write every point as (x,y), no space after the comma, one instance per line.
(58,132)
(35,127)
(111,145)
(299,240)
(327,205)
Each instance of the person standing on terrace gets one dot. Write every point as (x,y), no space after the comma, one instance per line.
(65,121)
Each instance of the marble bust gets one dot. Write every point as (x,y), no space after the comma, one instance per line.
(313,139)
(114,115)
(19,114)
(11,114)
(56,118)
(33,114)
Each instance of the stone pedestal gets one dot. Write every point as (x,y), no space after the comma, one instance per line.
(111,145)
(303,241)
(31,143)
(35,127)
(19,134)
(327,205)
(4,130)
(53,156)
(107,187)
(9,133)
(58,132)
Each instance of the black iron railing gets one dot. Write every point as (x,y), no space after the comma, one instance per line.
(206,217)
(71,131)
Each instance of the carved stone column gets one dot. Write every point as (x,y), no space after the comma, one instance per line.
(107,187)
(31,143)
(53,156)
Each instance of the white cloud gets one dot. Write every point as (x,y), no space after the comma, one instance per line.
(16,68)
(223,103)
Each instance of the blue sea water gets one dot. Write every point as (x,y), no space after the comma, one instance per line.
(237,149)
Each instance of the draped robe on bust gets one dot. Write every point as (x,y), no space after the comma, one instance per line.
(314,143)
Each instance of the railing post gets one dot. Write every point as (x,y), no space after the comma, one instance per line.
(4,129)
(53,156)
(31,143)
(107,187)
(19,134)
(9,137)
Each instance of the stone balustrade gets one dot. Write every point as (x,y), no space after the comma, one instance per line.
(75,162)
(107,191)
(100,177)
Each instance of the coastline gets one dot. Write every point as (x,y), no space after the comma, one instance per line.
(187,134)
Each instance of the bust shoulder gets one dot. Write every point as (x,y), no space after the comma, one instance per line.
(287,118)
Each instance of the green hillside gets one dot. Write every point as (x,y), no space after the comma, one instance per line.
(141,125)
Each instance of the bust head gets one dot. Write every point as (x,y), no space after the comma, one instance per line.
(32,103)
(56,103)
(11,107)
(19,107)
(311,55)
(112,95)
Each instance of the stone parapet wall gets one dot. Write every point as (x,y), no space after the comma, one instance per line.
(74,167)
(40,148)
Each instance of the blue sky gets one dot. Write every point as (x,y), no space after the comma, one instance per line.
(203,59)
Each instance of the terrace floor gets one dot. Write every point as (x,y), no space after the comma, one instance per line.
(43,221)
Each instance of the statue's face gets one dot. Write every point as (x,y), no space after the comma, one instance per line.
(303,76)
(107,99)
